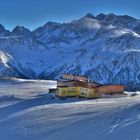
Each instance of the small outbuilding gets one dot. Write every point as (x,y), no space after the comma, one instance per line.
(110,89)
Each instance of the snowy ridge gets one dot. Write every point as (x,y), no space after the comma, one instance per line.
(105,48)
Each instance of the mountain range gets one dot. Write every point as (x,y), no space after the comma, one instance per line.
(106,48)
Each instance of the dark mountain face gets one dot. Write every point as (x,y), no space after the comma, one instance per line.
(106,48)
(21,31)
(3,31)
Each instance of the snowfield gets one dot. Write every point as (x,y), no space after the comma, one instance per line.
(28,112)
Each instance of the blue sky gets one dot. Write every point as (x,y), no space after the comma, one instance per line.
(34,13)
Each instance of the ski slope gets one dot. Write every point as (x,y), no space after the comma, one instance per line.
(28,112)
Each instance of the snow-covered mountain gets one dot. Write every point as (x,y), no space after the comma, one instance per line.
(106,48)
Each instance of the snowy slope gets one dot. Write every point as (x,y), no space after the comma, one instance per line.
(105,48)
(29,116)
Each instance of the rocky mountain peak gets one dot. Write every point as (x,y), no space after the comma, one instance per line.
(100,16)
(2,29)
(21,30)
(89,15)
